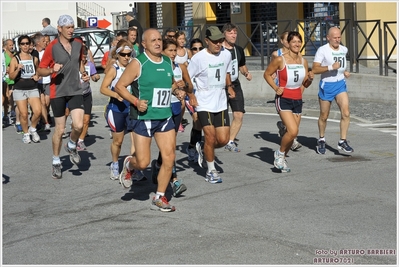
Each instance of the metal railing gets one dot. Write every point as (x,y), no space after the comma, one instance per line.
(357,40)
(388,32)
(85,9)
(367,42)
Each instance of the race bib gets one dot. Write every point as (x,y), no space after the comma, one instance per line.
(234,69)
(28,70)
(340,57)
(295,75)
(161,97)
(216,77)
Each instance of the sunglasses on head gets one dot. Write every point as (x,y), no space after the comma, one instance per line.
(197,48)
(125,54)
(25,43)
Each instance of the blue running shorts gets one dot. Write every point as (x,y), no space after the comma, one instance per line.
(329,90)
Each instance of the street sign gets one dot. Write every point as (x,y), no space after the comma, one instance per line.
(92,22)
(103,23)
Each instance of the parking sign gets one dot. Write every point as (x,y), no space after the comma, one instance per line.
(92,22)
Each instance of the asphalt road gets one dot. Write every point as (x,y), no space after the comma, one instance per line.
(332,206)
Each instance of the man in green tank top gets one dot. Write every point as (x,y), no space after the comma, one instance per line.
(150,76)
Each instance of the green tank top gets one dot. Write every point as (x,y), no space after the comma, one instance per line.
(8,61)
(155,85)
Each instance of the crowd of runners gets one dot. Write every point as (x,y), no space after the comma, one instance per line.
(150,84)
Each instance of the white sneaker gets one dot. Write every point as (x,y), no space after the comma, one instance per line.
(114,171)
(26,138)
(295,145)
(35,136)
(200,155)
(47,127)
(285,168)
(278,160)
(213,177)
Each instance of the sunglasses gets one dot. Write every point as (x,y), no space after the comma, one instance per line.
(171,36)
(217,41)
(125,54)
(197,48)
(24,43)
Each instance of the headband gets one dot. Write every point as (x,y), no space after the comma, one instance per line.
(123,48)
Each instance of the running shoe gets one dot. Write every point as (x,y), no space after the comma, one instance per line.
(26,138)
(178,188)
(213,177)
(47,127)
(154,171)
(125,177)
(35,136)
(114,168)
(295,145)
(80,146)
(281,129)
(6,120)
(57,173)
(138,176)
(192,154)
(232,147)
(285,168)
(12,114)
(278,160)
(18,128)
(160,204)
(184,121)
(181,128)
(200,155)
(321,147)
(73,154)
(345,147)
(65,134)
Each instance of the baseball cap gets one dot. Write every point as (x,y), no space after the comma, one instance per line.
(65,20)
(213,33)
(130,14)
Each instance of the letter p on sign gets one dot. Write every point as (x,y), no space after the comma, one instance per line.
(92,22)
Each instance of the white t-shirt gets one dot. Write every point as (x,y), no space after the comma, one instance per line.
(45,79)
(210,73)
(326,56)
(178,76)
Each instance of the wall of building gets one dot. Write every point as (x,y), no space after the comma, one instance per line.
(386,12)
(27,16)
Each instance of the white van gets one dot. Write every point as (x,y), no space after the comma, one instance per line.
(97,39)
